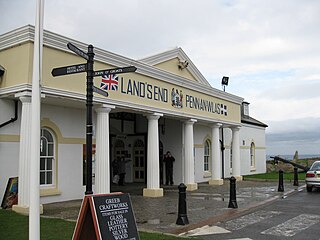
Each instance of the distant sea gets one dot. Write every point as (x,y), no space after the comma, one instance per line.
(290,157)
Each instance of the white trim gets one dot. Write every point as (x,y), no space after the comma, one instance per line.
(15,89)
(252,126)
(16,37)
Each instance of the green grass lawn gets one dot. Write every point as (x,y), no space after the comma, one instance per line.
(14,226)
(275,176)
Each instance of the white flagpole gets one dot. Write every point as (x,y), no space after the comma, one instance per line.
(34,212)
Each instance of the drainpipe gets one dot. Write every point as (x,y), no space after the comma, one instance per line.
(15,115)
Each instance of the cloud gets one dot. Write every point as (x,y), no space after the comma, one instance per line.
(287,136)
(298,125)
(269,49)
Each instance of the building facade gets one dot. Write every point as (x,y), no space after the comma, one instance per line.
(166,105)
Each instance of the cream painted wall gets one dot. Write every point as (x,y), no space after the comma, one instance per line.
(17,62)
(172,66)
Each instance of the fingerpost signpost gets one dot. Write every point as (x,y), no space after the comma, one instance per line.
(88,68)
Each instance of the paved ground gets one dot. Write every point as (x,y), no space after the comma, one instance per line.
(207,205)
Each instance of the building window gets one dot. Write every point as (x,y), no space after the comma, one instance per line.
(207,153)
(47,158)
(252,154)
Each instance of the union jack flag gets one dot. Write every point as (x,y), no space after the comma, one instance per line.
(109,82)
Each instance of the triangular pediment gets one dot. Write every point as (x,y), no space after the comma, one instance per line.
(177,62)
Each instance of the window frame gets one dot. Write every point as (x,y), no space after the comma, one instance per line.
(252,155)
(46,157)
(207,152)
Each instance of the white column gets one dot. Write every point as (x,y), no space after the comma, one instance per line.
(215,156)
(102,166)
(189,156)
(24,157)
(236,153)
(153,182)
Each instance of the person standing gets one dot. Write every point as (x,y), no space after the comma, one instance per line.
(168,160)
(115,170)
(122,170)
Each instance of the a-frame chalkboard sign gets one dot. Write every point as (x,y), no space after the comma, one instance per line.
(106,217)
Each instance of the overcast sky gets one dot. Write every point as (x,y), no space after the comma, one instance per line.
(270,49)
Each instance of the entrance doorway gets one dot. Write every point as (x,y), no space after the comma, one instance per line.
(139,161)
(119,149)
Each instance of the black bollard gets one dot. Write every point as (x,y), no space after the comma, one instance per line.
(280,187)
(295,177)
(182,208)
(233,193)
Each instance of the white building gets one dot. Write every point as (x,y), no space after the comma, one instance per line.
(167,104)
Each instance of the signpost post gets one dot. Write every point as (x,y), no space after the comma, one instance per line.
(89,119)
(88,67)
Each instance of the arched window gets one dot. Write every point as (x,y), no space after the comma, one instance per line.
(207,154)
(47,158)
(252,154)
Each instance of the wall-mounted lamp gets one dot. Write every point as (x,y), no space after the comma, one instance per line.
(224,82)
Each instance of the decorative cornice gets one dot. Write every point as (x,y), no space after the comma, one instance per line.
(15,89)
(16,37)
